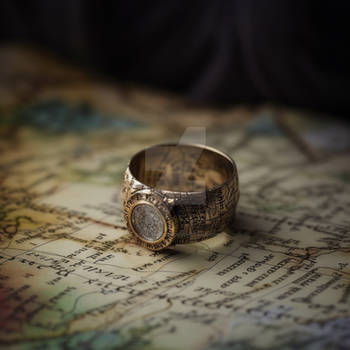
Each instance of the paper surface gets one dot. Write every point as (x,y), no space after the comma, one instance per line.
(72,277)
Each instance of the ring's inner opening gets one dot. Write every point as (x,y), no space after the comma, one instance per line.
(181,168)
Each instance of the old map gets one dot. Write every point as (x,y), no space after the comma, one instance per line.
(72,277)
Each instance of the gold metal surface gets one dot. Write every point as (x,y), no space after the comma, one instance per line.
(194,188)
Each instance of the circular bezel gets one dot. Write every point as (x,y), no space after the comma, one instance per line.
(149,197)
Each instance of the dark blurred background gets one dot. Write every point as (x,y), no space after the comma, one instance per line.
(224,52)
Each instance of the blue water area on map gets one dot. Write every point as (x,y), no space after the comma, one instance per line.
(332,137)
(265,125)
(57,116)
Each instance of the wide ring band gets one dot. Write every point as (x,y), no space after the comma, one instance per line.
(179,193)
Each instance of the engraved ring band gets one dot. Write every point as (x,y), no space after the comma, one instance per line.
(179,193)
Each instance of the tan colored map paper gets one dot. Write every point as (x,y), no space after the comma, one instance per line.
(71,277)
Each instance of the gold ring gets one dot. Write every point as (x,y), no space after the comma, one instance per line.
(179,193)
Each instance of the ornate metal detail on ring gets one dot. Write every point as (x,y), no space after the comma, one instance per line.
(176,194)
(150,220)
